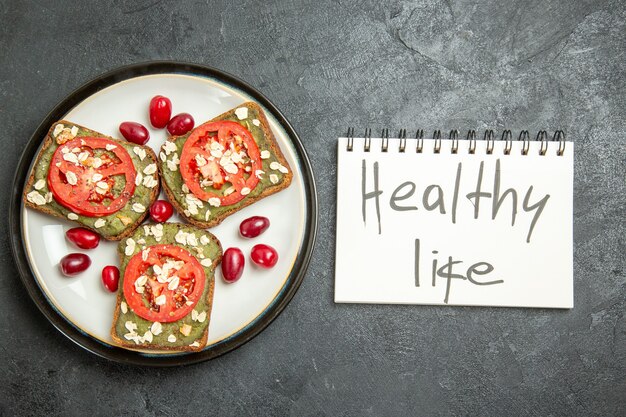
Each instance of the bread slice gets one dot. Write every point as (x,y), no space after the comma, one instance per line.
(276,174)
(130,330)
(117,225)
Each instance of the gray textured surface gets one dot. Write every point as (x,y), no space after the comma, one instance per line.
(329,65)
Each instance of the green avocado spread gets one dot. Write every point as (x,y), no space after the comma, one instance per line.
(130,326)
(113,224)
(273,175)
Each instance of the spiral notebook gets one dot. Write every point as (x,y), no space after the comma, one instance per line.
(450,221)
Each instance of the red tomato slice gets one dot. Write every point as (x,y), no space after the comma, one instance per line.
(217,153)
(158,299)
(82,176)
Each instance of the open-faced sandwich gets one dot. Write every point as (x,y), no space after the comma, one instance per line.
(102,183)
(223,165)
(165,300)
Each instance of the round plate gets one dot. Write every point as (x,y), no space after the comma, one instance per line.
(80,307)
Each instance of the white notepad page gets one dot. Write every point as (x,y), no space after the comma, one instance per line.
(391,238)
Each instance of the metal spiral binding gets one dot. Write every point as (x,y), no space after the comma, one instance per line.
(542,136)
(419,135)
(560,136)
(471,137)
(508,137)
(437,137)
(489,137)
(402,136)
(350,137)
(454,136)
(368,139)
(385,136)
(490,141)
(525,137)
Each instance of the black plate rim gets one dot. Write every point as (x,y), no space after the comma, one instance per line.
(121,355)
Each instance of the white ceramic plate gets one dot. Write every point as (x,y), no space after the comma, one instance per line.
(240,310)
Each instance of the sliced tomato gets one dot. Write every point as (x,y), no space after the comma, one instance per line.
(158,299)
(218,153)
(82,176)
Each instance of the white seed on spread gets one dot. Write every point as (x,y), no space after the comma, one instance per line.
(96,163)
(130,246)
(141,153)
(65,150)
(206,262)
(187,212)
(124,307)
(130,326)
(204,240)
(231,168)
(185,188)
(40,184)
(181,237)
(156,328)
(140,283)
(169,147)
(144,254)
(36,198)
(163,156)
(256,122)
(103,185)
(171,166)
(273,178)
(259,173)
(194,315)
(195,344)
(146,230)
(171,338)
(173,283)
(215,202)
(157,231)
(71,157)
(74,130)
(72,216)
(141,241)
(150,169)
(150,182)
(191,239)
(99,223)
(202,317)
(207,214)
(48,197)
(82,157)
(242,113)
(185,329)
(274,165)
(245,191)
(110,147)
(139,208)
(57,129)
(160,300)
(96,177)
(265,154)
(200,160)
(138,179)
(147,336)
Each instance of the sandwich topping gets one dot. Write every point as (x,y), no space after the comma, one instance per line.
(220,163)
(163,283)
(91,176)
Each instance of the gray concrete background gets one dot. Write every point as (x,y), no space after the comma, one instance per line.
(330,65)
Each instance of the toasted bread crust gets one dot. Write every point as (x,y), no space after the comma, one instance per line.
(275,149)
(120,341)
(44,209)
